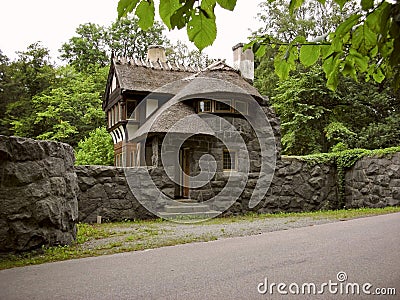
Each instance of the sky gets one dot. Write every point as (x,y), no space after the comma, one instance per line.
(53,23)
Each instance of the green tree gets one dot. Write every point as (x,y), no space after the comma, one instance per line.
(88,49)
(315,119)
(95,149)
(313,19)
(126,38)
(180,53)
(68,110)
(29,75)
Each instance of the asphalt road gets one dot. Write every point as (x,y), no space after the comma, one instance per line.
(367,250)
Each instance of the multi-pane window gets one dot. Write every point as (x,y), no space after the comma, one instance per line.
(205,106)
(226,106)
(229,160)
(222,106)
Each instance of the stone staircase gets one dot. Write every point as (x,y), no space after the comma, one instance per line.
(188,210)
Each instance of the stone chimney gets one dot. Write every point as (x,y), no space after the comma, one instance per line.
(243,61)
(155,53)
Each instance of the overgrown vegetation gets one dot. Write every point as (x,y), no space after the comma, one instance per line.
(109,238)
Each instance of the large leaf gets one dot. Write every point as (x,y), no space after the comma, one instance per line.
(167,8)
(145,12)
(346,26)
(367,4)
(201,29)
(294,4)
(125,7)
(309,54)
(227,4)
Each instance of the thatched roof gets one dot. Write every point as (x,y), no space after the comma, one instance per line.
(146,76)
(173,117)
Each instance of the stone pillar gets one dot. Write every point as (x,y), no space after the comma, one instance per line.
(38,194)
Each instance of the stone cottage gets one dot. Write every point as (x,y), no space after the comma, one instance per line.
(201,128)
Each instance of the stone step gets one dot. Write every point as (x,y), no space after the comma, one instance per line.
(186,208)
(196,216)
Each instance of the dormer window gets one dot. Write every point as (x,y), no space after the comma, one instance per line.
(226,106)
(223,106)
(205,106)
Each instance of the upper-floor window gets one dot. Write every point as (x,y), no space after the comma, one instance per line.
(223,106)
(130,109)
(205,106)
(227,106)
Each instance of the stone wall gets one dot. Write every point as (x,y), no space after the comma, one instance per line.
(296,186)
(38,194)
(104,192)
(373,182)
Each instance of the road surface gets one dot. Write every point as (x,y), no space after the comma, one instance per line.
(365,251)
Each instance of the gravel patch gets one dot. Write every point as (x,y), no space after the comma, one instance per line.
(156,234)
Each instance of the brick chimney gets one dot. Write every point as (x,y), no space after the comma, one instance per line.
(155,53)
(243,61)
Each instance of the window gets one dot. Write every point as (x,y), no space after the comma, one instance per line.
(223,106)
(241,107)
(205,106)
(229,160)
(109,118)
(151,106)
(116,111)
(130,109)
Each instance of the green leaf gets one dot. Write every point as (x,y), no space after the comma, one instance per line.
(227,4)
(145,12)
(125,7)
(367,4)
(182,15)
(309,54)
(282,68)
(346,26)
(294,4)
(201,30)
(378,76)
(167,8)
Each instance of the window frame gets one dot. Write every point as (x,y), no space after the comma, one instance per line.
(205,111)
(226,102)
(235,160)
(127,115)
(246,107)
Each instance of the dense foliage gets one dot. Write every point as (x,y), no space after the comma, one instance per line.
(96,149)
(366,41)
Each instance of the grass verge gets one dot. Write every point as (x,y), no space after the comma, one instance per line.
(139,235)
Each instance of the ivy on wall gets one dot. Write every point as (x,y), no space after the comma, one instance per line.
(344,160)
